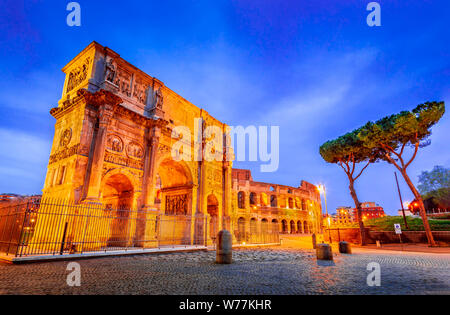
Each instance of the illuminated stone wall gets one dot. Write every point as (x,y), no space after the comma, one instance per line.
(112,147)
(269,207)
(113,140)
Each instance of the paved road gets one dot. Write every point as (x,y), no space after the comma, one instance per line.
(255,271)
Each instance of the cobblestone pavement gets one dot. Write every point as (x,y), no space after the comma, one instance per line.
(254,271)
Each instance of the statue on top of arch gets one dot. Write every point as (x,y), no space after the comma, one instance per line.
(159,98)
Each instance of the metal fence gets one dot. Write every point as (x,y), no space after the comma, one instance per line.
(257,233)
(51,227)
(258,238)
(55,227)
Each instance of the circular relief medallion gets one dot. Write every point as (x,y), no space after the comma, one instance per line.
(114,143)
(135,150)
(66,136)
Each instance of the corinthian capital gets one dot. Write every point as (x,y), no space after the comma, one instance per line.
(105,101)
(106,112)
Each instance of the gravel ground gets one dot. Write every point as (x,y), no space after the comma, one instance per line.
(254,271)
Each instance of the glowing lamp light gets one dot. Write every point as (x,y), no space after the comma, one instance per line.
(321,189)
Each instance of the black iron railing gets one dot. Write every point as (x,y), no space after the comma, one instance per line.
(53,227)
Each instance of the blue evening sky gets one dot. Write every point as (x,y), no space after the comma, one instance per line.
(314,68)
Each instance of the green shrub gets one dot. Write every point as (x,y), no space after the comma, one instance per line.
(414,224)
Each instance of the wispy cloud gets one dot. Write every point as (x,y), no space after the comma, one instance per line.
(36,92)
(24,159)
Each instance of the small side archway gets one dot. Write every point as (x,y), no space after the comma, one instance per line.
(118,196)
(264,199)
(241,200)
(299,227)
(305,227)
(284,226)
(273,201)
(275,226)
(264,226)
(292,223)
(241,230)
(213,212)
(253,198)
(118,189)
(253,226)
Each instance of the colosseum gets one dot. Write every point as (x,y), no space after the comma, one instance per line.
(112,147)
(263,207)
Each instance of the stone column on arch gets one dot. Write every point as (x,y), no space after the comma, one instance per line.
(227,180)
(106,103)
(199,223)
(150,172)
(226,205)
(146,229)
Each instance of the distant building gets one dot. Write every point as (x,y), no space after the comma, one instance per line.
(343,216)
(407,212)
(432,206)
(348,215)
(8,198)
(369,210)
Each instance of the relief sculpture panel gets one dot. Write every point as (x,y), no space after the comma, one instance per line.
(123,81)
(135,151)
(114,144)
(140,91)
(78,75)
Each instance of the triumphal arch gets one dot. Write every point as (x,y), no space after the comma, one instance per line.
(113,162)
(113,139)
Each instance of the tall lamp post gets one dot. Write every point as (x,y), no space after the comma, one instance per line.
(323,191)
(401,202)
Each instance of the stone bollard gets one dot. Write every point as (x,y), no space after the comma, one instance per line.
(314,241)
(324,252)
(224,248)
(345,248)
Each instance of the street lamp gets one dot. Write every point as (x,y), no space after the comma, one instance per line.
(323,191)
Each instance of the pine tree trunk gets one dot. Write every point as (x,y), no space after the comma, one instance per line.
(359,212)
(422,211)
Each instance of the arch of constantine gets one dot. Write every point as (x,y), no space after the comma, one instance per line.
(112,147)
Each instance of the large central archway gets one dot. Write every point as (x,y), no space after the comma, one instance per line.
(175,188)
(174,195)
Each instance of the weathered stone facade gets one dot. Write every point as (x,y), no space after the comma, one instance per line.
(113,141)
